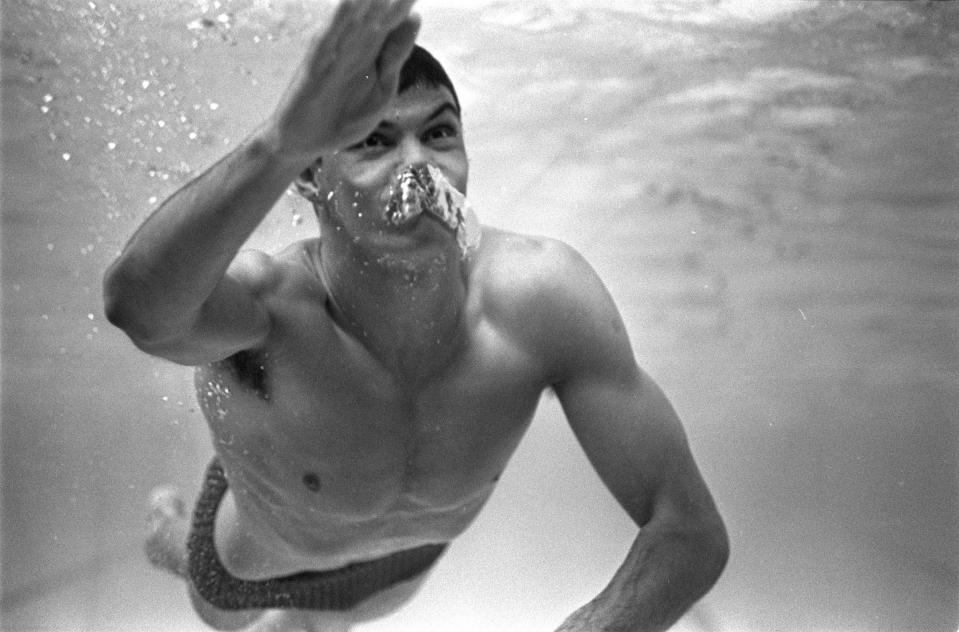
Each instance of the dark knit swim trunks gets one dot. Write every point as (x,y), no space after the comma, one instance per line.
(336,589)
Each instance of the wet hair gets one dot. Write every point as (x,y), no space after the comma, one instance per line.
(421,69)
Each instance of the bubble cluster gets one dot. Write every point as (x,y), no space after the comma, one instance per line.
(213,397)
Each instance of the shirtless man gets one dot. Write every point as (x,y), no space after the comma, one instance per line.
(366,389)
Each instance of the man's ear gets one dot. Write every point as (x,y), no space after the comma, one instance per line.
(308,182)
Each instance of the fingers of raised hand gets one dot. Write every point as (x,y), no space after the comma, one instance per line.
(397,12)
(359,29)
(397,48)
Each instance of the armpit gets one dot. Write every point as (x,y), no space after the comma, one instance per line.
(248,369)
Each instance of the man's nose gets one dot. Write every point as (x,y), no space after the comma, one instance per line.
(413,152)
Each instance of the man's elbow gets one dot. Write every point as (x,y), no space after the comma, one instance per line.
(119,297)
(125,305)
(715,549)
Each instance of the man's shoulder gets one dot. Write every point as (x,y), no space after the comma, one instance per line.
(530,286)
(281,271)
(517,267)
(549,300)
(521,257)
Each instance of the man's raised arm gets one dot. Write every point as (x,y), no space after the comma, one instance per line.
(173,289)
(637,445)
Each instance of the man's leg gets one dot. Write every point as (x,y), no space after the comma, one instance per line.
(379,605)
(168,528)
(302,621)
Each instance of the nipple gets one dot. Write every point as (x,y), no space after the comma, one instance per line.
(312,481)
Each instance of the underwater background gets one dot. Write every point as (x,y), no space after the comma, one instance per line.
(769,190)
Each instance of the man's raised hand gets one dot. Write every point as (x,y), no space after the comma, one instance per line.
(345,83)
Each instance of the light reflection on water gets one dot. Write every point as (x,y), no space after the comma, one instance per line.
(769,190)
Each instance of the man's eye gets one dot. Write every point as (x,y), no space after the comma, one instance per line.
(441,132)
(373,141)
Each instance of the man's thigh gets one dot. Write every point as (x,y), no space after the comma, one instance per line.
(388,601)
(222,619)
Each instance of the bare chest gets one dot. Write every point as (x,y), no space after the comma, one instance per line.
(322,428)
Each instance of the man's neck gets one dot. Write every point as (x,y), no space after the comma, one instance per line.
(407,312)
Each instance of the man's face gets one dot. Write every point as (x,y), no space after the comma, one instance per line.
(422,129)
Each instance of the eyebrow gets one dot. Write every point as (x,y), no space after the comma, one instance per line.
(443,108)
(446,107)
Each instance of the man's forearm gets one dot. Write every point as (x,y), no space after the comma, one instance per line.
(175,259)
(666,572)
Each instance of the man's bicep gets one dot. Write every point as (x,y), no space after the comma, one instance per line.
(631,435)
(233,318)
(623,420)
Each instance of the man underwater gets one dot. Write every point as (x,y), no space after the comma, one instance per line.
(365,389)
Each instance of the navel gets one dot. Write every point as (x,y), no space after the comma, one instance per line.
(312,481)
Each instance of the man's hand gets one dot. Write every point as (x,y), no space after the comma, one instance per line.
(347,80)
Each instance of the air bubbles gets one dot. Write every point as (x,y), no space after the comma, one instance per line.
(199,24)
(66,156)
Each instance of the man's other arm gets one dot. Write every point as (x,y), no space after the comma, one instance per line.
(635,441)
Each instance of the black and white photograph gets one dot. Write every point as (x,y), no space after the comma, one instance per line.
(479,315)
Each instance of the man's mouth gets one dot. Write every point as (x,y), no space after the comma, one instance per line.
(424,189)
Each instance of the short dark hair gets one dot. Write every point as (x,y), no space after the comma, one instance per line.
(421,69)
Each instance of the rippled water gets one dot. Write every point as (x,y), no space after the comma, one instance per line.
(769,190)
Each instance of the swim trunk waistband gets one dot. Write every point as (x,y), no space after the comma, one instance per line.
(336,589)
